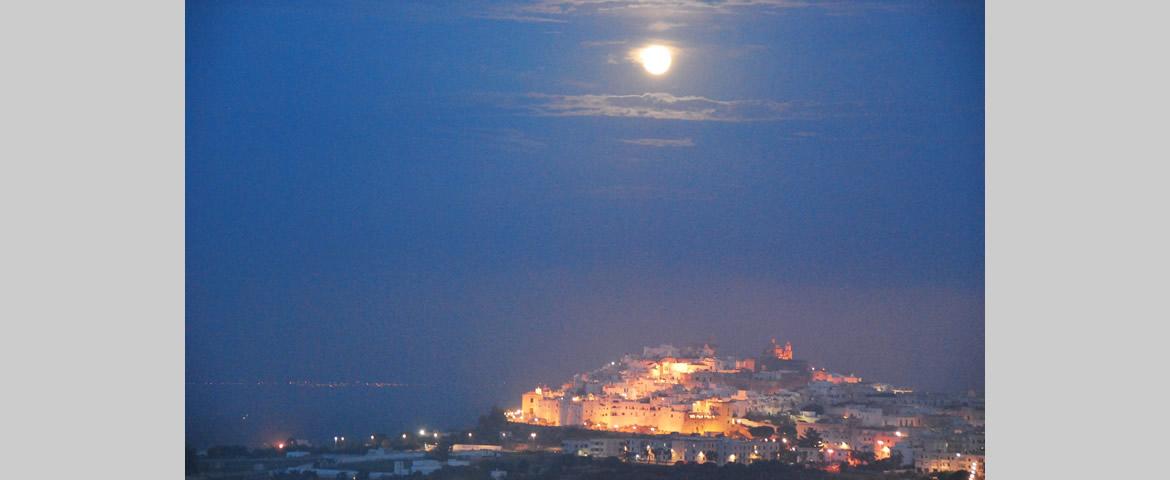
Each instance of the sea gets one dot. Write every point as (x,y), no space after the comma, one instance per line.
(255,414)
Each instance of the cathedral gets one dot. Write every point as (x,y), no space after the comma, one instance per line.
(778,352)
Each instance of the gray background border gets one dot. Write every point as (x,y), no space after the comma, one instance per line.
(92,208)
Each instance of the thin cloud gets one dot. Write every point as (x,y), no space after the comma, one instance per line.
(661,26)
(657,7)
(662,106)
(661,142)
(602,43)
(553,10)
(511,17)
(579,84)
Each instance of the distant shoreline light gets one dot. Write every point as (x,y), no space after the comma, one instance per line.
(314,384)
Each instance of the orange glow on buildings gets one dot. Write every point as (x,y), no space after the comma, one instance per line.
(782,353)
(823,376)
(669,390)
(666,390)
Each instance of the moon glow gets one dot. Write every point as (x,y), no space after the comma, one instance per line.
(655,59)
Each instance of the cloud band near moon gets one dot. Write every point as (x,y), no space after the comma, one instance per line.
(662,106)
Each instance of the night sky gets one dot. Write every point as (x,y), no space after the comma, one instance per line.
(491,195)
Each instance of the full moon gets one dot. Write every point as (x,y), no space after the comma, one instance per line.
(655,59)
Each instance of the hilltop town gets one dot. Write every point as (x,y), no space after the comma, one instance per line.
(664,413)
(691,405)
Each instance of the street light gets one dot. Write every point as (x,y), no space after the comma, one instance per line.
(422,432)
(533,435)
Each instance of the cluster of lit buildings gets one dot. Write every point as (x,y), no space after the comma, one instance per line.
(927,432)
(671,449)
(669,390)
(690,405)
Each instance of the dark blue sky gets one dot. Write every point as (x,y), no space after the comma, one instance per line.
(491,195)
